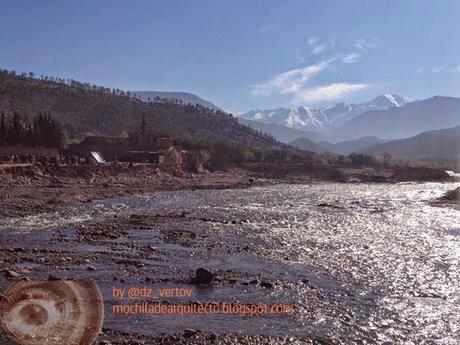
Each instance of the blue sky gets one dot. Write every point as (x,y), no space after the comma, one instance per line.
(241,55)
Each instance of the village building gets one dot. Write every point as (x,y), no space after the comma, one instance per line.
(138,148)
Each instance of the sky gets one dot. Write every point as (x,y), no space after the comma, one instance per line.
(241,55)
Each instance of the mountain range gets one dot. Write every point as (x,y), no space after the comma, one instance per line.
(418,125)
(400,122)
(443,144)
(326,119)
(343,148)
(287,134)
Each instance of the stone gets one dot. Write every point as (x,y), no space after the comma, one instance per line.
(203,276)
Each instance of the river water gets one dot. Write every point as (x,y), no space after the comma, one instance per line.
(386,263)
(363,263)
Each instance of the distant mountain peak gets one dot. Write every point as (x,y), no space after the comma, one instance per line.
(390,100)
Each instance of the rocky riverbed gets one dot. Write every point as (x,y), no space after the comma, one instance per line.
(373,263)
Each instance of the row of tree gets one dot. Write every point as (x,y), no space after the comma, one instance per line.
(223,154)
(41,131)
(69,82)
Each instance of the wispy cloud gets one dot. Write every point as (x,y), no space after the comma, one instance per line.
(351,58)
(294,83)
(297,83)
(289,82)
(318,47)
(457,69)
(366,42)
(329,92)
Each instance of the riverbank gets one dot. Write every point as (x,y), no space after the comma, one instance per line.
(30,189)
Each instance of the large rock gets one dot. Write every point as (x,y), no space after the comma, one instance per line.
(203,276)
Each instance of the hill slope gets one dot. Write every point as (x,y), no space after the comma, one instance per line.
(83,108)
(401,122)
(439,144)
(349,146)
(286,134)
(308,145)
(281,133)
(340,148)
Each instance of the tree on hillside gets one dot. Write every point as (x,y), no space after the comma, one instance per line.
(2,130)
(44,131)
(56,135)
(15,131)
(360,160)
(143,125)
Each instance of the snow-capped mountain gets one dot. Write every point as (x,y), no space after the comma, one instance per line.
(324,119)
(388,101)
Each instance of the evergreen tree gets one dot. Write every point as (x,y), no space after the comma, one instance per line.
(143,125)
(15,130)
(55,134)
(2,130)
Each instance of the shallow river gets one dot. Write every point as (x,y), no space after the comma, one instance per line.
(379,263)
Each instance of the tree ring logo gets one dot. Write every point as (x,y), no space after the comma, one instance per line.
(52,312)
